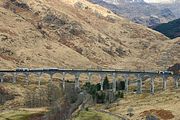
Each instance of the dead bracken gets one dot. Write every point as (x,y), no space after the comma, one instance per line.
(162,114)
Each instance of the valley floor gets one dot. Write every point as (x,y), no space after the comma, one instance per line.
(22,114)
(165,105)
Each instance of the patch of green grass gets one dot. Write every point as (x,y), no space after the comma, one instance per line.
(16,115)
(93,115)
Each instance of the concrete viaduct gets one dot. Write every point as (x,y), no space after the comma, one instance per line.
(102,73)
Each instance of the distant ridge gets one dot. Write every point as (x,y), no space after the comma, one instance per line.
(170,29)
(160,1)
(138,11)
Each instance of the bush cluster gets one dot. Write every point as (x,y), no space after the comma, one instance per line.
(106,95)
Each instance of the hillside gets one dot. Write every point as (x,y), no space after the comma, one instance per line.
(40,33)
(160,1)
(162,105)
(170,29)
(73,34)
(148,14)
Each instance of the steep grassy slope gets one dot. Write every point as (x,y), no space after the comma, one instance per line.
(170,29)
(74,33)
(40,33)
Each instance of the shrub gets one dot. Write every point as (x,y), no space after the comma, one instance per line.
(91,89)
(87,109)
(106,83)
(101,97)
(130,112)
(119,94)
(151,117)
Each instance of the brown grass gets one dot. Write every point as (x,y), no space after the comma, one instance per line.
(163,114)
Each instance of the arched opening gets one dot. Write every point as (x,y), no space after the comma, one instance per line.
(84,78)
(62,79)
(170,82)
(146,83)
(45,78)
(95,78)
(120,82)
(68,83)
(70,78)
(132,82)
(158,84)
(56,77)
(22,78)
(7,77)
(34,79)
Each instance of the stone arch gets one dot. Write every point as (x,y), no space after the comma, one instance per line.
(132,83)
(84,78)
(158,83)
(46,77)
(70,77)
(34,78)
(69,81)
(145,83)
(22,77)
(7,77)
(148,83)
(120,78)
(19,77)
(170,82)
(57,76)
(95,78)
